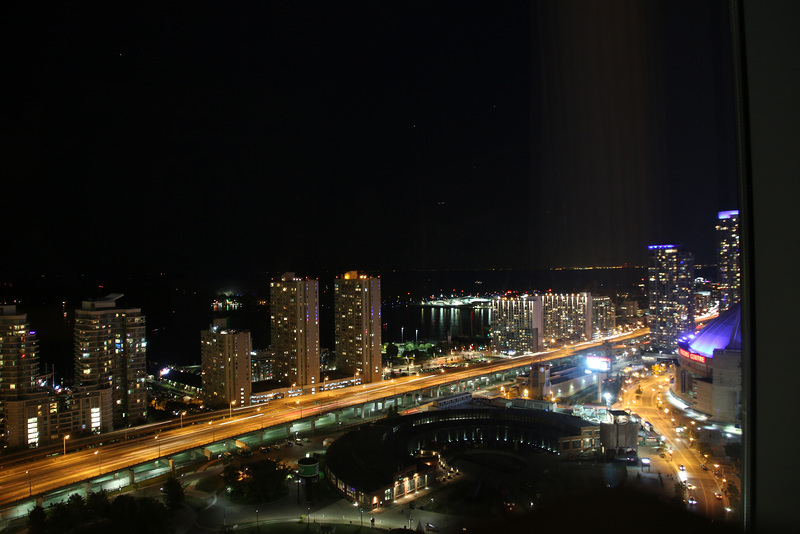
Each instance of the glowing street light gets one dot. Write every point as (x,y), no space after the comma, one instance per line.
(159,447)
(182,414)
(65,444)
(230,409)
(99,471)
(30,484)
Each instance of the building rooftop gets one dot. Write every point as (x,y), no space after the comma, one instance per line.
(724,332)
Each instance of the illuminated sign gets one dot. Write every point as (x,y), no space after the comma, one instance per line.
(692,356)
(728,214)
(598,363)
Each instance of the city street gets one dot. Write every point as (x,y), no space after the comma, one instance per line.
(655,408)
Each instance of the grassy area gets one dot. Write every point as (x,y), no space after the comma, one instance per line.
(307,528)
(210,484)
(547,480)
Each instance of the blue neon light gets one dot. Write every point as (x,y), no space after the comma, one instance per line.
(728,214)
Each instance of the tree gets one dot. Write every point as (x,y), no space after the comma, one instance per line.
(704,448)
(392,351)
(230,474)
(733,495)
(76,508)
(734,450)
(37,520)
(680,493)
(173,490)
(264,483)
(97,504)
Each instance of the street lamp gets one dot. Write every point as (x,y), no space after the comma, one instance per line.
(99,471)
(230,409)
(257,519)
(182,414)
(65,444)
(159,447)
(30,484)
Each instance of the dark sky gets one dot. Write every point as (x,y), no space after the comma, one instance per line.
(374,135)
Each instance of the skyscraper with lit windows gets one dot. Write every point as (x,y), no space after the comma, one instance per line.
(294,329)
(226,366)
(357,325)
(517,324)
(19,363)
(671,296)
(603,316)
(728,259)
(110,352)
(567,316)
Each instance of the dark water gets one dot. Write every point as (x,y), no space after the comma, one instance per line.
(178,308)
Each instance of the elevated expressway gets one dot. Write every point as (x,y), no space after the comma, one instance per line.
(32,476)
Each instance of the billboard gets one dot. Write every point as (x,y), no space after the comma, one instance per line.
(598,363)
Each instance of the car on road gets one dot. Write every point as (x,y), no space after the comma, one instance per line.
(682,467)
(718,496)
(265,449)
(704,467)
(692,500)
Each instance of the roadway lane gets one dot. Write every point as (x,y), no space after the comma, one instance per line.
(661,418)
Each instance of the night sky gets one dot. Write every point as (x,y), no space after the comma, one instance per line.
(374,136)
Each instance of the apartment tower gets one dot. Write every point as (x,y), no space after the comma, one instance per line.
(728,259)
(518,324)
(110,352)
(671,296)
(294,330)
(225,362)
(19,366)
(357,325)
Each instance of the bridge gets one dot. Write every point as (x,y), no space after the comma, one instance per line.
(122,458)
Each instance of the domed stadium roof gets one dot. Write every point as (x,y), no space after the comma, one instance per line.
(724,332)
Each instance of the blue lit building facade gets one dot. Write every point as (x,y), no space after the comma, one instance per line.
(709,372)
(671,296)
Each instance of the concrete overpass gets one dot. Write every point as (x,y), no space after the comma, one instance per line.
(150,451)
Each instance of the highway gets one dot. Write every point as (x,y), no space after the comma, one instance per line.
(655,408)
(22,479)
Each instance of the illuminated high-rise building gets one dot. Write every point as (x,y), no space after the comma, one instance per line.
(357,325)
(567,317)
(294,330)
(226,366)
(110,352)
(671,296)
(728,259)
(19,363)
(603,316)
(517,324)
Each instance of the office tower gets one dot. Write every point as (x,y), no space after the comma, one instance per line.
(357,325)
(225,360)
(671,296)
(567,317)
(728,259)
(603,316)
(19,364)
(294,330)
(110,352)
(517,324)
